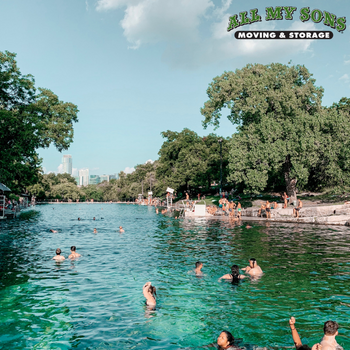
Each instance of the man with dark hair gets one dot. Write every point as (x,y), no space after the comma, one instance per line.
(253,269)
(58,256)
(73,253)
(198,268)
(328,341)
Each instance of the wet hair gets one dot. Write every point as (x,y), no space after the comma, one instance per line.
(229,337)
(304,347)
(58,251)
(73,248)
(153,291)
(330,327)
(253,260)
(198,263)
(235,271)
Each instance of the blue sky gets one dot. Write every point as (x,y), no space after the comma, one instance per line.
(136,68)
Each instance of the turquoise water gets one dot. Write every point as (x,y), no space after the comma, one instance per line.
(96,302)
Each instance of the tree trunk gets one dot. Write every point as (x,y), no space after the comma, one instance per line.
(290,183)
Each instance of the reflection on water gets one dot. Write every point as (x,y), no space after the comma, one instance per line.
(96,301)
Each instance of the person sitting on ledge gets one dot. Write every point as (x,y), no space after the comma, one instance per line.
(297,342)
(253,269)
(262,208)
(58,256)
(296,210)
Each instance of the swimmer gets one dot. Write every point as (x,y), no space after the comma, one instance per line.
(297,342)
(328,341)
(157,211)
(121,229)
(95,231)
(58,256)
(198,268)
(253,269)
(248,226)
(73,253)
(78,219)
(93,218)
(150,294)
(226,341)
(234,275)
(53,231)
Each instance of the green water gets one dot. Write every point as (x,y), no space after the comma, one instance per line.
(96,302)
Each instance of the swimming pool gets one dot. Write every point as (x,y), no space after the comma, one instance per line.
(96,302)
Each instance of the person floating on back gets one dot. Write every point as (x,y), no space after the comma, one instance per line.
(198,268)
(150,293)
(73,253)
(58,256)
(234,275)
(253,269)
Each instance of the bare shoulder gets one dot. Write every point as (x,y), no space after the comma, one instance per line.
(226,277)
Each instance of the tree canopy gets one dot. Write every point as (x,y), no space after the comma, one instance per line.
(30,119)
(284,135)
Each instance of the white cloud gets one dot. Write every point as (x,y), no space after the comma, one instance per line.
(60,169)
(149,161)
(347,62)
(345,78)
(128,170)
(195,32)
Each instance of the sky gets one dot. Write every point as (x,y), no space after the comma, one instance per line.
(136,68)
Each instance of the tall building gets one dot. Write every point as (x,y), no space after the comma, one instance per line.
(83,177)
(113,176)
(94,180)
(67,163)
(104,178)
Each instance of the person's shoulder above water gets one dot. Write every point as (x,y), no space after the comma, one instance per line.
(73,252)
(58,256)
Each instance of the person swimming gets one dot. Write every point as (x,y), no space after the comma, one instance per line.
(253,269)
(150,293)
(328,341)
(78,219)
(73,253)
(121,230)
(95,231)
(53,231)
(296,338)
(225,341)
(234,275)
(58,256)
(198,268)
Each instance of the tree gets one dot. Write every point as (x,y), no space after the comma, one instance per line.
(29,120)
(280,124)
(188,160)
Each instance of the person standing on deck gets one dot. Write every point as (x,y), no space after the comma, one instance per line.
(296,210)
(268,210)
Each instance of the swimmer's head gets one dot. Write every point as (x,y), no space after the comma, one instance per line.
(225,339)
(94,218)
(120,227)
(198,264)
(73,248)
(330,328)
(152,290)
(58,251)
(304,347)
(235,270)
(252,262)
(78,219)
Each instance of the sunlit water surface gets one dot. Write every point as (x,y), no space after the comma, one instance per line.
(96,302)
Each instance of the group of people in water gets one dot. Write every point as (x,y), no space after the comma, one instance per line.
(226,340)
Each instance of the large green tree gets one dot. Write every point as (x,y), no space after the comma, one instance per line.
(29,119)
(284,135)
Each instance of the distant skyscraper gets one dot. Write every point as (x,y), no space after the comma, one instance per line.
(104,178)
(113,176)
(67,164)
(84,177)
(94,180)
